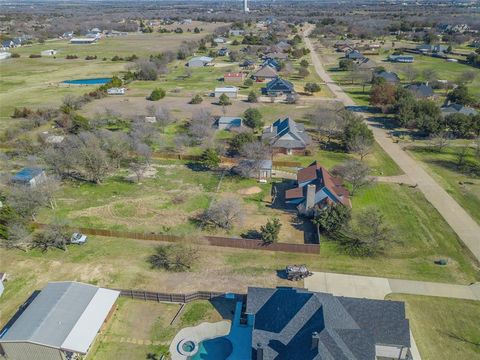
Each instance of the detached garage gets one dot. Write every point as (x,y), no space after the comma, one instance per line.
(60,323)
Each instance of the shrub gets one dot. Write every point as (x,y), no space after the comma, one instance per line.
(197,99)
(71,57)
(117,58)
(35,56)
(248,82)
(270,231)
(253,118)
(175,257)
(131,58)
(312,87)
(210,159)
(15,55)
(157,94)
(224,100)
(91,57)
(252,97)
(22,113)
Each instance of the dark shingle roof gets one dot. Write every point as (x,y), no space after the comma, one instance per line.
(421,90)
(297,138)
(347,328)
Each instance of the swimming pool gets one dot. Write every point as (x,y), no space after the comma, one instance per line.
(214,349)
(93,81)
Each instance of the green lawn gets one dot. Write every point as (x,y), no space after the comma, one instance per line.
(378,160)
(462,183)
(443,328)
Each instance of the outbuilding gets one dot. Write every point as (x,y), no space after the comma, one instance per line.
(199,61)
(229,122)
(230,91)
(2,278)
(60,323)
(83,41)
(116,91)
(48,52)
(29,177)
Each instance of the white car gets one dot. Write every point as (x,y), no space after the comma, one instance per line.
(78,238)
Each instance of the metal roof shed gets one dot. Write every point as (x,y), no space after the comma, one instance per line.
(64,318)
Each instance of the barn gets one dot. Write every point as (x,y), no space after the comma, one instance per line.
(61,322)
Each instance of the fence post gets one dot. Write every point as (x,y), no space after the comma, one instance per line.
(145,295)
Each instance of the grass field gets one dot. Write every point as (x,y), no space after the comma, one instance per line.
(443,328)
(462,183)
(140,328)
(34,82)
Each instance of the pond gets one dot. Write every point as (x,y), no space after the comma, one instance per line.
(93,81)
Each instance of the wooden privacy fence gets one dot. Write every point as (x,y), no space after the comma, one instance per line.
(252,244)
(167,297)
(225,160)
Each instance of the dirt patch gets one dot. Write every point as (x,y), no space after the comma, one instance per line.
(250,190)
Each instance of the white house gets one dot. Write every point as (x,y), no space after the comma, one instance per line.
(48,52)
(83,41)
(116,91)
(60,323)
(230,91)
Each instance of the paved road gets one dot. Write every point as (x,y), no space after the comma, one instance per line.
(460,221)
(377,288)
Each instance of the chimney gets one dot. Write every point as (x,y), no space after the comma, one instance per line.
(310,201)
(259,352)
(315,340)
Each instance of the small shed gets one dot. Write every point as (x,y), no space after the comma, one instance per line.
(83,41)
(229,122)
(116,91)
(30,177)
(48,52)
(257,169)
(401,58)
(230,91)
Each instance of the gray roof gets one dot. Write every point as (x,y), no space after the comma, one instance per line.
(286,134)
(420,90)
(457,109)
(64,315)
(347,328)
(389,76)
(266,71)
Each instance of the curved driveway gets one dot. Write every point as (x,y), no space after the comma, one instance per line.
(459,220)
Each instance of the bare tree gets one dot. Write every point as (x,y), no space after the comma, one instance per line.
(440,140)
(175,257)
(255,154)
(355,172)
(18,237)
(201,127)
(224,213)
(328,122)
(54,235)
(360,145)
(410,72)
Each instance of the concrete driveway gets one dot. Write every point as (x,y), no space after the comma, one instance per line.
(377,288)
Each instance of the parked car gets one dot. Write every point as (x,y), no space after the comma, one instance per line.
(78,238)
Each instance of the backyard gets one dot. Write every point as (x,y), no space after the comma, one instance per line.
(140,328)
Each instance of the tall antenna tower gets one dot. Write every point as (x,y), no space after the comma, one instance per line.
(245,6)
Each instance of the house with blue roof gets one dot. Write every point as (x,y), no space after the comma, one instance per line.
(278,86)
(272,63)
(286,136)
(297,324)
(29,177)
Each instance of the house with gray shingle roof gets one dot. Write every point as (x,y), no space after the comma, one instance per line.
(457,109)
(421,90)
(388,76)
(297,324)
(286,136)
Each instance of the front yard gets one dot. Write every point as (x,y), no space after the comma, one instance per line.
(443,328)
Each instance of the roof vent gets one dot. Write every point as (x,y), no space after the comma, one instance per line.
(315,340)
